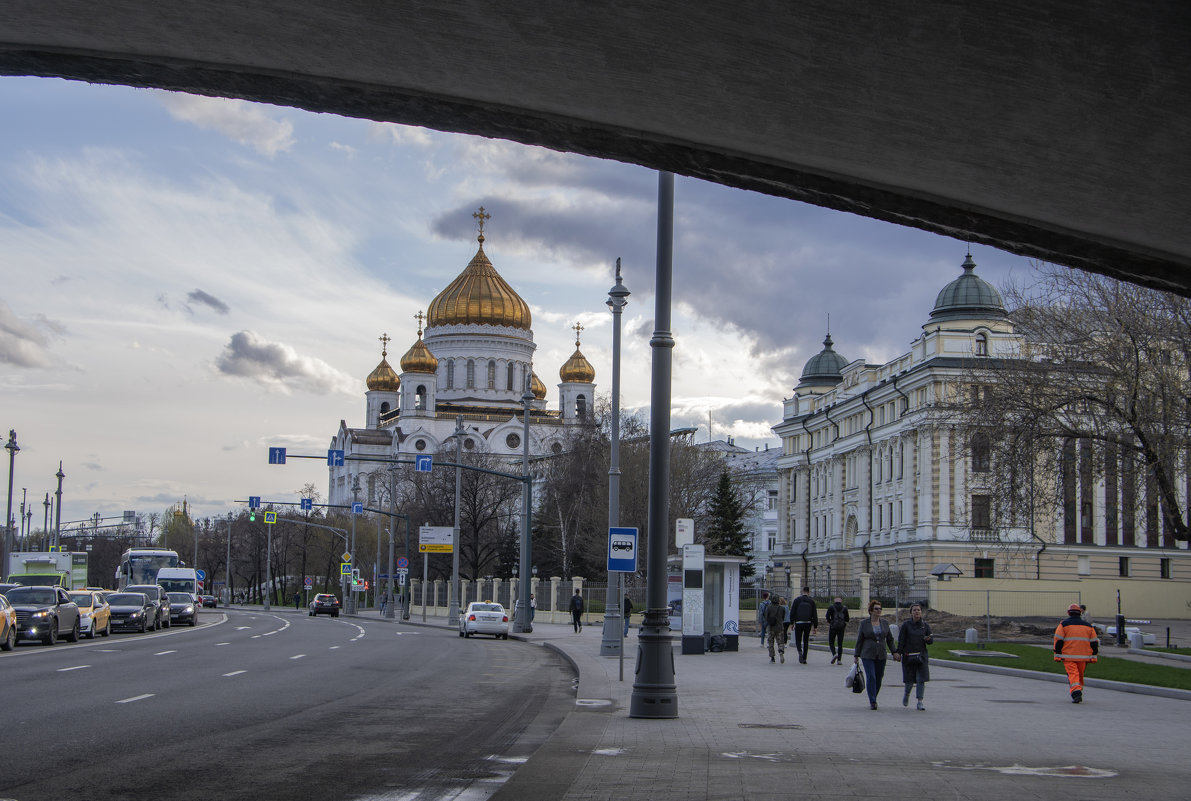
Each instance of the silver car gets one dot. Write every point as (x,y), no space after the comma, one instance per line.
(484,617)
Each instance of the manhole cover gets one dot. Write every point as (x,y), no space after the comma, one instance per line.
(770,726)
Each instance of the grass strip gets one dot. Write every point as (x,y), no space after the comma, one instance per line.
(1040,658)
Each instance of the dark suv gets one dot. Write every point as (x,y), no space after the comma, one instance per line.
(324,604)
(160,600)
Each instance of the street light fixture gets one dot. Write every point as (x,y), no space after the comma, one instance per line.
(612,642)
(12,448)
(227,570)
(453,607)
(58,514)
(349,602)
(521,618)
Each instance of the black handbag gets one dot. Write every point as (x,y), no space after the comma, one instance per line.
(858,681)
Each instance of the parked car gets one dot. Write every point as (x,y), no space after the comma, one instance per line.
(183,608)
(8,625)
(210,601)
(131,611)
(95,616)
(45,613)
(324,604)
(160,599)
(484,617)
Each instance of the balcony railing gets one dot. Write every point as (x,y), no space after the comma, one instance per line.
(985,535)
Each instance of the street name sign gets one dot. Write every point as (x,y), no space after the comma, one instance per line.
(436,539)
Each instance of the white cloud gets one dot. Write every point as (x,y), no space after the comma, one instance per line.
(278,366)
(239,120)
(25,343)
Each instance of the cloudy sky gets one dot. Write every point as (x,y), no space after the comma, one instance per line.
(187,281)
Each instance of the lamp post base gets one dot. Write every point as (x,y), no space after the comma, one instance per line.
(613,628)
(655,695)
(521,622)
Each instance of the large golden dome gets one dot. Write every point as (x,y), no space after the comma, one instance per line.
(479,296)
(383,379)
(536,386)
(419,359)
(577,369)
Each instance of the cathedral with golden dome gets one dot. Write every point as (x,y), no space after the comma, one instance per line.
(472,360)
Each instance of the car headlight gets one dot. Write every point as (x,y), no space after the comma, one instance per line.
(134,615)
(42,613)
(188,610)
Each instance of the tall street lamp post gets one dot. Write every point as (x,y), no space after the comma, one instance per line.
(655,695)
(45,528)
(453,608)
(12,448)
(227,570)
(268,565)
(350,601)
(58,513)
(521,618)
(613,640)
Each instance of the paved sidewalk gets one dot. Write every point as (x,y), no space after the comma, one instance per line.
(748,729)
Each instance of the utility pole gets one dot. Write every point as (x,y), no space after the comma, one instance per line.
(12,448)
(613,639)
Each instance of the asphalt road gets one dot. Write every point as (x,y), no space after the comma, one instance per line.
(254,705)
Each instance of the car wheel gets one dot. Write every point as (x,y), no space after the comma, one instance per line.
(144,625)
(194,621)
(74,633)
(107,630)
(461,634)
(51,636)
(10,640)
(91,633)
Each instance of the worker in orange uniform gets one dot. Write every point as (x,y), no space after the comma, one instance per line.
(1076,644)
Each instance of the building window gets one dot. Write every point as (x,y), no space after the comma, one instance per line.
(384,408)
(420,397)
(984,568)
(981,456)
(471,374)
(450,373)
(581,407)
(981,344)
(1123,567)
(491,374)
(513,440)
(420,445)
(509,377)
(772,501)
(981,511)
(1164,568)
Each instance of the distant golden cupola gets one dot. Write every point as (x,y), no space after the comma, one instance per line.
(577,369)
(536,386)
(383,379)
(419,359)
(479,296)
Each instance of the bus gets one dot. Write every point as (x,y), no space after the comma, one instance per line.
(140,565)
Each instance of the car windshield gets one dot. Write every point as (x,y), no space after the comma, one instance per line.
(151,592)
(84,599)
(33,595)
(487,608)
(181,597)
(126,599)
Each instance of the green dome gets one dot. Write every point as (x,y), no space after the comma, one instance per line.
(968,297)
(825,368)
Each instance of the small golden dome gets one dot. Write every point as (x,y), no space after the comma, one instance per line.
(577,369)
(479,296)
(383,379)
(419,359)
(536,386)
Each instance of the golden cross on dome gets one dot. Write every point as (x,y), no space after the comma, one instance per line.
(482,217)
(419,317)
(576,328)
(385,339)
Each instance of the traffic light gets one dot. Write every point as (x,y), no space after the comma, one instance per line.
(251,515)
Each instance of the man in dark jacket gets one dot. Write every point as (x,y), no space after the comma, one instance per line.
(837,624)
(577,611)
(774,624)
(761,614)
(805,616)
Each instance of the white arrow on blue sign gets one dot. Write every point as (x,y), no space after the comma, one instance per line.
(200,574)
(307,504)
(358,508)
(423,463)
(276,455)
(335,458)
(254,502)
(622,550)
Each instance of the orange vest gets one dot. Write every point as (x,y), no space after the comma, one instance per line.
(1073,641)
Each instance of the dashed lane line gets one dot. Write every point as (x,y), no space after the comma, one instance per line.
(136,698)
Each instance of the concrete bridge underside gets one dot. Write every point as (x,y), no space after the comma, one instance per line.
(1057,130)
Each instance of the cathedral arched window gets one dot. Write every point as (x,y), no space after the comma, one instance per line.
(420,397)
(981,453)
(509,377)
(450,373)
(492,374)
(471,373)
(384,408)
(982,344)
(581,407)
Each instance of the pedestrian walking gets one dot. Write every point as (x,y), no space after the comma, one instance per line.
(761,614)
(384,603)
(805,615)
(872,640)
(912,639)
(628,610)
(775,614)
(533,607)
(837,624)
(297,600)
(577,611)
(1076,644)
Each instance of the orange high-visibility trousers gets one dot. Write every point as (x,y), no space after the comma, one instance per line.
(1075,669)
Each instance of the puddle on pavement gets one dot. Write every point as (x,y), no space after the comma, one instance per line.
(1057,771)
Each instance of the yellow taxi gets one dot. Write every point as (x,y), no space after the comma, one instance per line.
(95,616)
(8,625)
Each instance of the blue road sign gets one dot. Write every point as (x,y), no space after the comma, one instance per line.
(402,563)
(254,502)
(423,463)
(622,550)
(276,455)
(358,508)
(307,504)
(202,574)
(270,518)
(335,458)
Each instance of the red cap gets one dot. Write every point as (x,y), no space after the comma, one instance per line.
(1075,608)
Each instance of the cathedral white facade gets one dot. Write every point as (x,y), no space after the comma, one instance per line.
(472,362)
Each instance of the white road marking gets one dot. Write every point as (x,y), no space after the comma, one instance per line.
(234,673)
(333,647)
(256,636)
(242,628)
(223,643)
(163,653)
(136,698)
(76,667)
(297,656)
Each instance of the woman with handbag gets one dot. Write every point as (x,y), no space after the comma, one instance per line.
(872,641)
(912,639)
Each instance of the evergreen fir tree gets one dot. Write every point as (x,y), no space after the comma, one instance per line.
(726,532)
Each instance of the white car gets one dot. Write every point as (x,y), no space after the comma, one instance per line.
(484,617)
